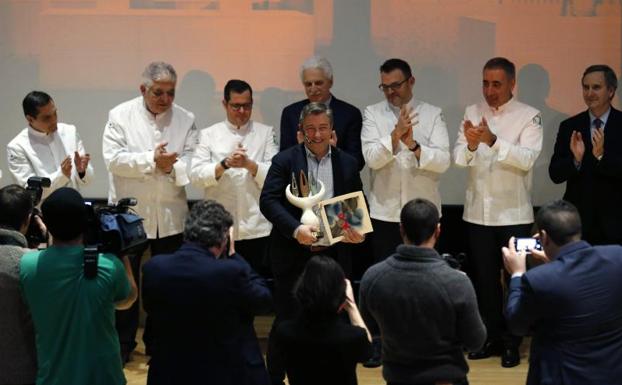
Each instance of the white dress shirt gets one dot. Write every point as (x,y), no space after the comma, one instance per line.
(500,177)
(398,178)
(130,137)
(34,153)
(237,190)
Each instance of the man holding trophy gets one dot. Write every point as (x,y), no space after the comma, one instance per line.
(305,170)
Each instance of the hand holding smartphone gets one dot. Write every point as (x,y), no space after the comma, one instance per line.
(527,244)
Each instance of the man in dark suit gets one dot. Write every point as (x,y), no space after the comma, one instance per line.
(292,243)
(573,303)
(317,78)
(202,300)
(588,157)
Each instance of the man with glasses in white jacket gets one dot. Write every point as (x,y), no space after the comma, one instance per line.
(147,145)
(231,163)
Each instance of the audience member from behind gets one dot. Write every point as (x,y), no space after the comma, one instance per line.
(318,347)
(202,300)
(571,305)
(18,361)
(426,311)
(73,315)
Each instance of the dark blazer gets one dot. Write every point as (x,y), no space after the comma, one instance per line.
(321,352)
(347,124)
(286,253)
(202,311)
(574,305)
(596,187)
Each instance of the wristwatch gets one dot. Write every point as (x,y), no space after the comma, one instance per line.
(223,163)
(415,148)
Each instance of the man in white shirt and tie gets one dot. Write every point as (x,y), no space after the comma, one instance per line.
(587,157)
(498,142)
(231,163)
(47,148)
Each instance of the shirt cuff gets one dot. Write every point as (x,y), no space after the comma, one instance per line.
(517,275)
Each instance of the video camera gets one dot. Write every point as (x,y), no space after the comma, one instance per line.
(115,229)
(35,185)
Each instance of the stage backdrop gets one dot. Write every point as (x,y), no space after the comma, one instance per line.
(89,55)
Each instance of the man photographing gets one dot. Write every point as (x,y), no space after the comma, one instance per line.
(63,302)
(571,304)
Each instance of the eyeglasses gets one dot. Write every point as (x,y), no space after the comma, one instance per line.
(393,86)
(238,107)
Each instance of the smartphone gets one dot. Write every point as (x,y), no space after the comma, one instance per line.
(527,244)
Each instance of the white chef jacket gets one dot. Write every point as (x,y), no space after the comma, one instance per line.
(398,178)
(130,137)
(237,190)
(34,153)
(500,177)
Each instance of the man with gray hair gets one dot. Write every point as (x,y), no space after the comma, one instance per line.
(147,145)
(316,74)
(292,243)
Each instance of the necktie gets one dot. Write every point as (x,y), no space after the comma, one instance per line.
(597,123)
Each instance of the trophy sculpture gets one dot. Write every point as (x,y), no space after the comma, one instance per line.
(305,196)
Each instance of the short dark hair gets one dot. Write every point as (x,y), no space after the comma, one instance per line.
(396,64)
(321,288)
(237,86)
(419,218)
(15,206)
(502,64)
(207,223)
(33,101)
(610,76)
(64,214)
(561,221)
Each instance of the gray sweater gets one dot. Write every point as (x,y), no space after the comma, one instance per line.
(18,357)
(426,313)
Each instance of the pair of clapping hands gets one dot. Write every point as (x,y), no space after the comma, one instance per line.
(577,146)
(403,131)
(81,162)
(475,135)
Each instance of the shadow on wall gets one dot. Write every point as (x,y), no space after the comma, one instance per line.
(536,95)
(197,93)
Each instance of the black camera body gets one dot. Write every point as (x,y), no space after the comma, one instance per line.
(35,185)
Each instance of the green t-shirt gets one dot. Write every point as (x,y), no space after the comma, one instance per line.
(73,316)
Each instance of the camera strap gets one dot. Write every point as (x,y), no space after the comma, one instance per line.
(91,255)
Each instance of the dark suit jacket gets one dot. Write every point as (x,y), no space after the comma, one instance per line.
(286,254)
(202,311)
(574,305)
(347,124)
(596,188)
(321,352)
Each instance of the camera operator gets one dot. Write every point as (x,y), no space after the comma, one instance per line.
(202,300)
(18,364)
(74,316)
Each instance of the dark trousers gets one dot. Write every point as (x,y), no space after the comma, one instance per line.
(255,252)
(486,271)
(385,239)
(127,320)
